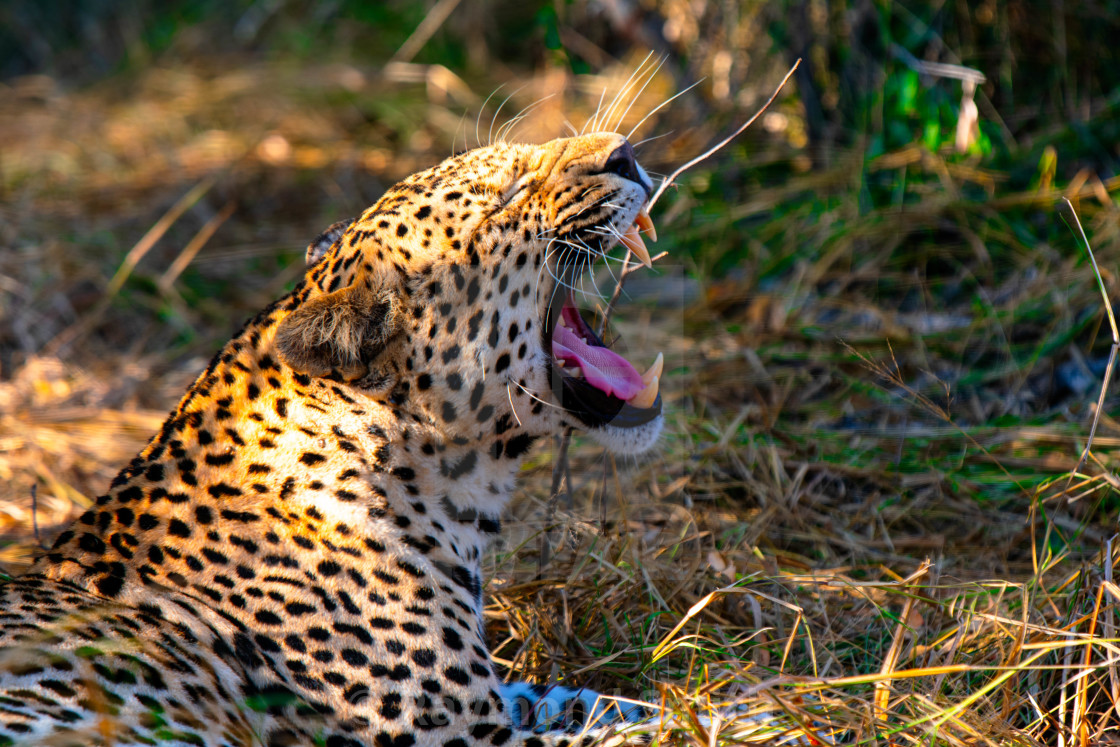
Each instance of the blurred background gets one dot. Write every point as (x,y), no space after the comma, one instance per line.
(885,341)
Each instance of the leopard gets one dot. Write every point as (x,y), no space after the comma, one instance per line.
(295,558)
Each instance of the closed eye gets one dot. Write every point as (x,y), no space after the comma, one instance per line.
(515,188)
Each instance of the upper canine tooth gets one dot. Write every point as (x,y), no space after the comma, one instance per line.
(632,240)
(644,223)
(654,371)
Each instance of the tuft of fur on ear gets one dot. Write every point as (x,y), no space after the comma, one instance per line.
(341,331)
(324,241)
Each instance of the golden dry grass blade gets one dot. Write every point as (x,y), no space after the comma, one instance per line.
(1115,341)
(194,246)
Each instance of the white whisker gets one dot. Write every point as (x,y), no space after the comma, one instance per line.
(525,389)
(594,119)
(478,119)
(651,139)
(607,265)
(490,134)
(509,393)
(662,105)
(614,233)
(507,128)
(619,97)
(455,140)
(649,79)
(559,282)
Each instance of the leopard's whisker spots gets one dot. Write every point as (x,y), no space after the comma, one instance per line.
(597,202)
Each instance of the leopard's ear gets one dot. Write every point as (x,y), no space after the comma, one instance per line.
(342,331)
(324,241)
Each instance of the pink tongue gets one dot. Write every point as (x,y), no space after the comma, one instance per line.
(604,370)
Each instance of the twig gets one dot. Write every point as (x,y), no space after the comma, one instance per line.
(418,38)
(894,377)
(1112,351)
(560,475)
(669,179)
(937,69)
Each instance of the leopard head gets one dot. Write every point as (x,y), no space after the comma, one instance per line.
(449,301)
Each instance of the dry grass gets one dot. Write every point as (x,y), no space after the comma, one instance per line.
(859,521)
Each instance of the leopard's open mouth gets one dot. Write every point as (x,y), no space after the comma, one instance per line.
(590,380)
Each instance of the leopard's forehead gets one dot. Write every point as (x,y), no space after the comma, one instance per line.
(511,187)
(480,165)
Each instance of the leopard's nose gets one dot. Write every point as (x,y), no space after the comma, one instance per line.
(622,162)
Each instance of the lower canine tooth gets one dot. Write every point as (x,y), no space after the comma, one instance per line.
(647,396)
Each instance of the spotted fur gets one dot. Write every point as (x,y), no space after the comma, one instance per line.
(294,558)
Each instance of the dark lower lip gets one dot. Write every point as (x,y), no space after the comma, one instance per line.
(595,408)
(592,407)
